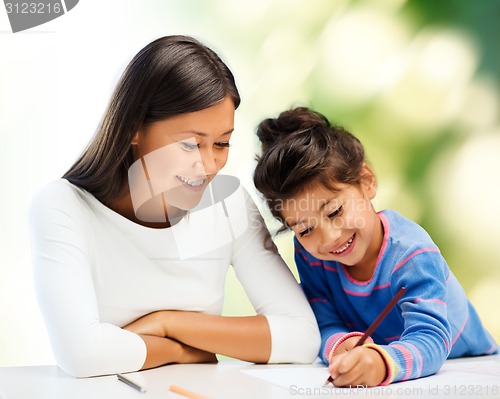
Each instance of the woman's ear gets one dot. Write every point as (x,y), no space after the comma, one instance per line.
(368,181)
(135,139)
(134,146)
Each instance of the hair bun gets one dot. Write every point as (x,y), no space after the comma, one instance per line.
(289,123)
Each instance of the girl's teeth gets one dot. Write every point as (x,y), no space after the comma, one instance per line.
(347,245)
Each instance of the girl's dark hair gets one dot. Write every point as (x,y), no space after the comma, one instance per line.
(170,76)
(301,148)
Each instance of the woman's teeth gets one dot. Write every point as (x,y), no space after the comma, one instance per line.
(192,183)
(347,245)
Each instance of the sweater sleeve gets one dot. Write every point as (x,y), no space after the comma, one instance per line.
(274,292)
(425,342)
(82,345)
(332,328)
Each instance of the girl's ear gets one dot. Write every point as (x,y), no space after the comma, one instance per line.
(368,181)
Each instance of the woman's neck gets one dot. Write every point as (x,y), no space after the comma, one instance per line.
(124,206)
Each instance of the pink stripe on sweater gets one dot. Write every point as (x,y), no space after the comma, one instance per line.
(417,252)
(492,349)
(408,360)
(421,360)
(417,300)
(318,300)
(378,287)
(330,342)
(461,330)
(353,293)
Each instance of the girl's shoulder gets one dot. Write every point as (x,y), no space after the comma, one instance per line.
(402,229)
(405,237)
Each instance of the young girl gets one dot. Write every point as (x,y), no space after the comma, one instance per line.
(352,260)
(132,246)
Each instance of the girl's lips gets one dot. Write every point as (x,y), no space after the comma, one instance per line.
(345,249)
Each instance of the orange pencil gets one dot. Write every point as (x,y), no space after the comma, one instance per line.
(186,393)
(376,322)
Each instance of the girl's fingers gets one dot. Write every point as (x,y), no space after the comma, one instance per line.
(349,369)
(352,378)
(334,364)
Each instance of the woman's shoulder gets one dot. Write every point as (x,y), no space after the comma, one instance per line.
(58,195)
(57,191)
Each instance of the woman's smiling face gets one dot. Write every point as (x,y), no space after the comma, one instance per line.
(179,156)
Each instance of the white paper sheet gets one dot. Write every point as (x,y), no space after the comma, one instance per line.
(469,378)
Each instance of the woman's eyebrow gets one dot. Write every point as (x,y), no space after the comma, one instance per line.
(293,224)
(202,134)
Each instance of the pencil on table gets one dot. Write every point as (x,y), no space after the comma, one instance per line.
(376,322)
(131,383)
(186,393)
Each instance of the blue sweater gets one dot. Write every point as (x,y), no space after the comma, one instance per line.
(433,321)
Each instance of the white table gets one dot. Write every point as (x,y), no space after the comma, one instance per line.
(218,381)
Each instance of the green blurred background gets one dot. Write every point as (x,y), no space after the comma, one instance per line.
(418,81)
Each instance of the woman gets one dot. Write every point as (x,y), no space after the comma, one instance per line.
(132,245)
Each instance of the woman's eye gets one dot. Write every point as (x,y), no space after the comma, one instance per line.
(222,144)
(189,146)
(305,232)
(336,212)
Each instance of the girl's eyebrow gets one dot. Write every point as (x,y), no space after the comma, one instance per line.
(301,221)
(325,204)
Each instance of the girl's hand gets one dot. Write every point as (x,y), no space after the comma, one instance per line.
(348,344)
(359,366)
(151,324)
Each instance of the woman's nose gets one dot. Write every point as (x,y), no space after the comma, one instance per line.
(207,163)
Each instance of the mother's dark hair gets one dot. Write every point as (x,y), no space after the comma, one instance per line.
(170,76)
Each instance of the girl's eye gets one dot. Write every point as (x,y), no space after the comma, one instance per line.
(189,146)
(336,212)
(305,232)
(222,144)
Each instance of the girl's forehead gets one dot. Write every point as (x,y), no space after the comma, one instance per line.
(319,199)
(318,193)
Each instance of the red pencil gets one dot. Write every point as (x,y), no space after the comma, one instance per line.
(376,322)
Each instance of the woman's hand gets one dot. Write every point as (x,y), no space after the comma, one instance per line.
(193,355)
(162,351)
(359,366)
(151,324)
(247,338)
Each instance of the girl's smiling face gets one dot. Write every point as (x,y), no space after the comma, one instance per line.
(338,225)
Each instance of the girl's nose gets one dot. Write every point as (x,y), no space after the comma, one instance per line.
(330,235)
